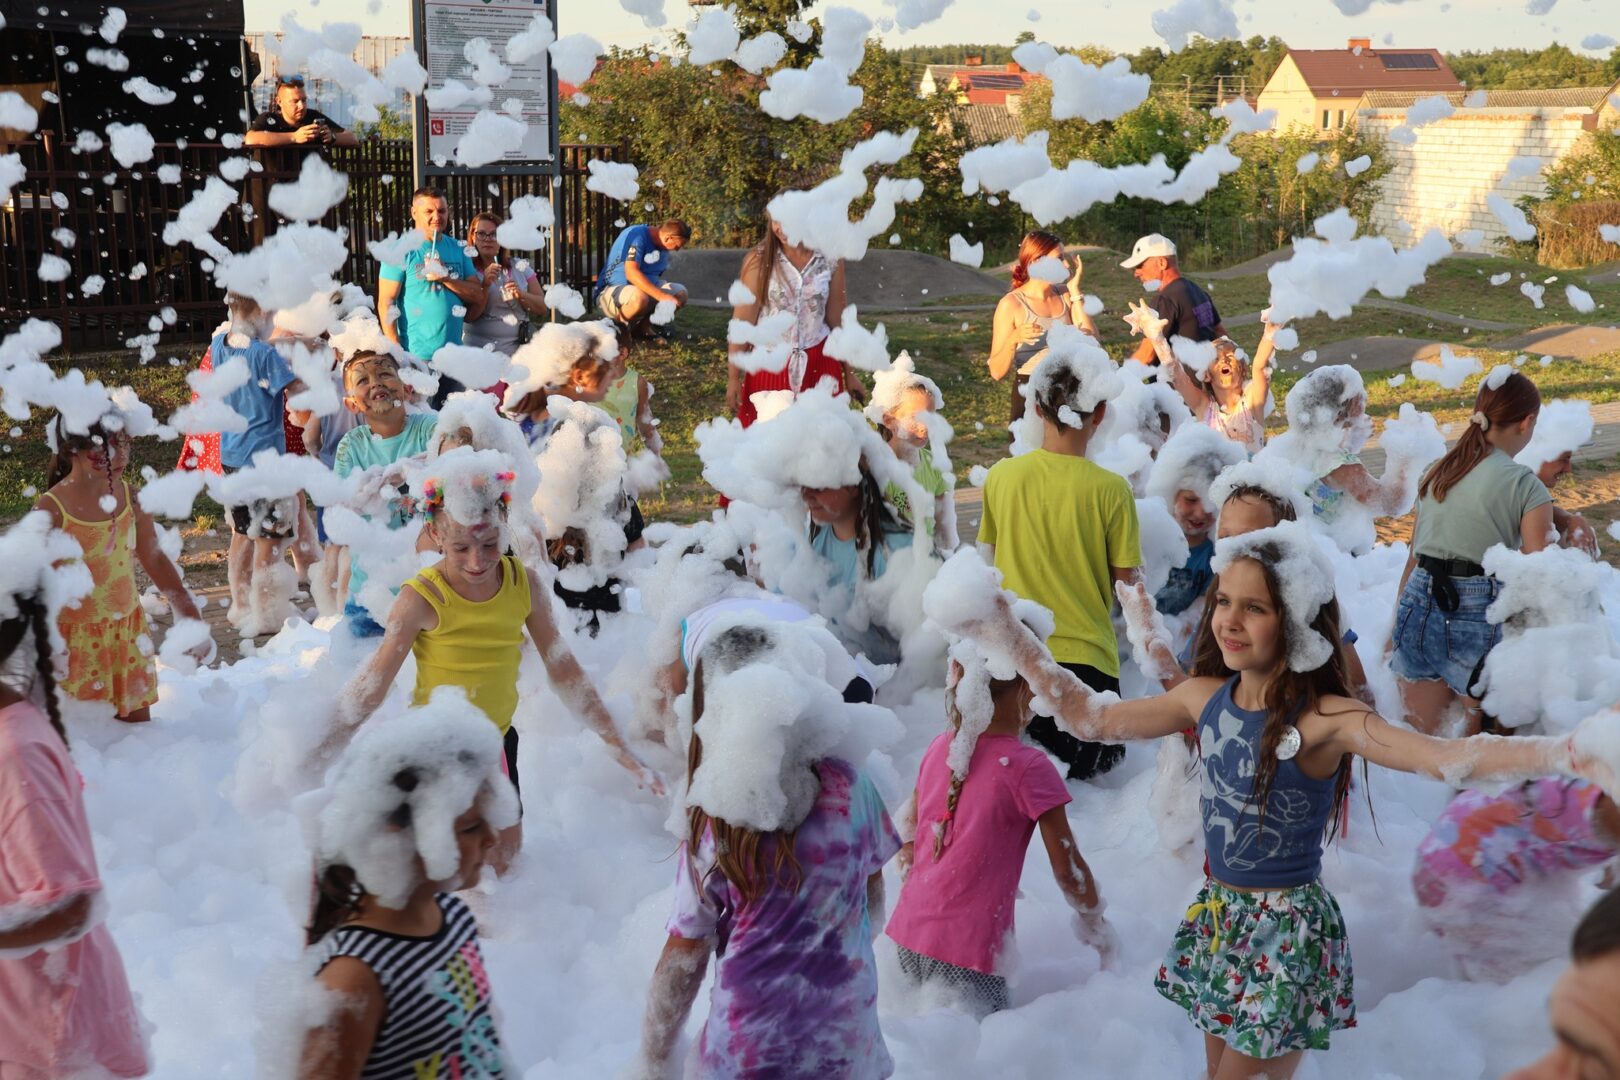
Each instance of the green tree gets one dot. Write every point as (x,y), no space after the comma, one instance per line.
(1528,69)
(391,124)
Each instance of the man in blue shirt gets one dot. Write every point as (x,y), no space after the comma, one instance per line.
(632,285)
(437,288)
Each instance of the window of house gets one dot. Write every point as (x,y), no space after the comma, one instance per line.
(1324,119)
(1341,118)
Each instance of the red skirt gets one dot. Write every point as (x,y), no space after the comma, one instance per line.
(200,453)
(817,367)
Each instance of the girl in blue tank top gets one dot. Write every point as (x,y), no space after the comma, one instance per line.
(1261,962)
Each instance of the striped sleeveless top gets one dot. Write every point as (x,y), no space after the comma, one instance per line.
(436,1012)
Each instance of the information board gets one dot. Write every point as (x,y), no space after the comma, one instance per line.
(442,29)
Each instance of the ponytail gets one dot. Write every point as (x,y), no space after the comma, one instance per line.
(338,893)
(1035,245)
(1509,402)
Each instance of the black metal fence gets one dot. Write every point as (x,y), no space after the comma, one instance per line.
(108,221)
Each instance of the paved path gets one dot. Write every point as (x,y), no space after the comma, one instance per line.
(1605,445)
(888,279)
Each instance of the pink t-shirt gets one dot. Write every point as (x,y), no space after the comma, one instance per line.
(67,1009)
(960,909)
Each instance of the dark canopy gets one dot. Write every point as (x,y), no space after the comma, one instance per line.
(212,16)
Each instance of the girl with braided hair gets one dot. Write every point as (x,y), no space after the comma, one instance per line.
(65,1005)
(980,793)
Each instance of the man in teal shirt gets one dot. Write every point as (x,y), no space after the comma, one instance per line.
(436,289)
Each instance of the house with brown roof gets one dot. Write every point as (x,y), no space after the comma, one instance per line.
(1321,88)
(985,98)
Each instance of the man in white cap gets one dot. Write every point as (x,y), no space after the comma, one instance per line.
(1187,308)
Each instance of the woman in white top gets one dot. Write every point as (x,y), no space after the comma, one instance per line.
(1030,308)
(786,278)
(516,299)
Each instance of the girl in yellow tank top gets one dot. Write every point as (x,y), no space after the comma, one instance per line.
(463,619)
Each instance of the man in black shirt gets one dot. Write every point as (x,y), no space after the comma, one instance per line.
(291,122)
(1187,309)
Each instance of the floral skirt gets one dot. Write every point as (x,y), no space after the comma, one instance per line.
(105,662)
(1266,972)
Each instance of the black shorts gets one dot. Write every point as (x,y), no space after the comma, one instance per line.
(265,519)
(511,762)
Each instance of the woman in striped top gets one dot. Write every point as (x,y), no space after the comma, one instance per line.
(403,973)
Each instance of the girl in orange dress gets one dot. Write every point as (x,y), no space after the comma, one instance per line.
(108,642)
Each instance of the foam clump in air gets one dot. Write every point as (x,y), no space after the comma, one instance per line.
(531,41)
(1211,19)
(1304,574)
(527,226)
(1329,276)
(1090,92)
(1563,427)
(1190,460)
(855,344)
(822,91)
(1511,218)
(37,559)
(615,179)
(1448,369)
(965,253)
(1558,660)
(400,786)
(816,442)
(319,187)
(819,217)
(769,714)
(565,300)
(490,137)
(471,365)
(296,260)
(1425,110)
(574,57)
(1004,165)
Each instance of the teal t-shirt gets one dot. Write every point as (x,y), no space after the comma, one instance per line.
(362,449)
(427,307)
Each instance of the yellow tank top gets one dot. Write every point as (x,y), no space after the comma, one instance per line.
(109,552)
(476,646)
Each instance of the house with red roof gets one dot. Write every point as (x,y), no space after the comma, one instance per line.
(1321,88)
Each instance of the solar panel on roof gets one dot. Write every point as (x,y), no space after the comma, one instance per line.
(1409,62)
(998,82)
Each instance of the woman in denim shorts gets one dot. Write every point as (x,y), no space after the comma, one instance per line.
(1473,499)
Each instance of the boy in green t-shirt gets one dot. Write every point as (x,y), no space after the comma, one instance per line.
(386,434)
(1062,530)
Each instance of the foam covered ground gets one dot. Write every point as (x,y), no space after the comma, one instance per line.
(207,874)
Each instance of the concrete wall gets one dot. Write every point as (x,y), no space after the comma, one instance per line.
(1442,179)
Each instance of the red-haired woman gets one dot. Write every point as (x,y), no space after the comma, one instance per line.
(1474,498)
(1030,308)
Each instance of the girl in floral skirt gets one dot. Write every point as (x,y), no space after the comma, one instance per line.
(90,500)
(1261,962)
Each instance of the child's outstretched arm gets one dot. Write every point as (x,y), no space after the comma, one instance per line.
(571,683)
(1254,394)
(338,1048)
(1079,887)
(675,985)
(946,538)
(410,615)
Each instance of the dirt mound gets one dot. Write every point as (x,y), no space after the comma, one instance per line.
(884,280)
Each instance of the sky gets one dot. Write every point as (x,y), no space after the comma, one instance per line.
(1118,24)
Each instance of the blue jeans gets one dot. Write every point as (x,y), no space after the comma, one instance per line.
(1448,647)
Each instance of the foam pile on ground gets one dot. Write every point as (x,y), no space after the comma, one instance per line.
(1558,661)
(1329,276)
(439,759)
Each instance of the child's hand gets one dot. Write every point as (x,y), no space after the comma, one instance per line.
(1094,929)
(646,778)
(204,651)
(903,859)
(1594,751)
(1143,320)
(1149,637)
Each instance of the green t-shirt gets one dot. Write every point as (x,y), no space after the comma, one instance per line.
(1483,509)
(1059,525)
(363,449)
(932,480)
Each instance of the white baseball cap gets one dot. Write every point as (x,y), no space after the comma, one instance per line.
(1150,246)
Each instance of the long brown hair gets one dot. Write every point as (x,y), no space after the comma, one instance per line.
(31,617)
(99,436)
(1035,245)
(752,861)
(875,517)
(1289,694)
(1514,399)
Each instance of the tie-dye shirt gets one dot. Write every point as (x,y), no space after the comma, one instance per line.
(795,986)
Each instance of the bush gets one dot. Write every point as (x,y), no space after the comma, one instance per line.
(1567,233)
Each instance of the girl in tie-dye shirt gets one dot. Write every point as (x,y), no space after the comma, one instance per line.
(790,916)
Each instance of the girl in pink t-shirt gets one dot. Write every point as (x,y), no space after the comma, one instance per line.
(65,1006)
(978,800)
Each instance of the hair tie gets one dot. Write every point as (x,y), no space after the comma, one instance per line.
(1480,419)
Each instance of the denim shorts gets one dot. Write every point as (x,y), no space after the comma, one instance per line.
(1434,645)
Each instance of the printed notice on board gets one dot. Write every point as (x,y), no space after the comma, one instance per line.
(447,27)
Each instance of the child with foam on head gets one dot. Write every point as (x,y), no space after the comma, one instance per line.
(1227,392)
(387,434)
(106,636)
(1328,427)
(261,529)
(1473,499)
(1261,962)
(568,360)
(470,418)
(980,794)
(400,987)
(65,1004)
(1063,529)
(780,870)
(1181,476)
(463,619)
(905,406)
